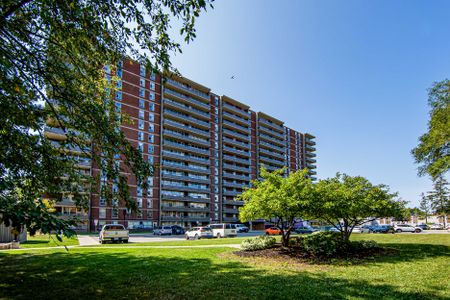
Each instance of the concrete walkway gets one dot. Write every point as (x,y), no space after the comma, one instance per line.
(87,240)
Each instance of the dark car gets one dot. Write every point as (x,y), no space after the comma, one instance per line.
(383,229)
(424,226)
(177,230)
(304,230)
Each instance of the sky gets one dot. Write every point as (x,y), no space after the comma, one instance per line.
(353,73)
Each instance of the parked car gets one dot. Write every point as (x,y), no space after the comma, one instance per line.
(113,233)
(223,230)
(241,228)
(177,230)
(437,227)
(304,230)
(273,231)
(199,233)
(162,230)
(424,226)
(366,229)
(406,228)
(328,228)
(382,229)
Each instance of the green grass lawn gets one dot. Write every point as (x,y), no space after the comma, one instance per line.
(420,270)
(46,240)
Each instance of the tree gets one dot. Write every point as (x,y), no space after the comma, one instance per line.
(276,197)
(433,151)
(347,202)
(439,197)
(425,206)
(52,54)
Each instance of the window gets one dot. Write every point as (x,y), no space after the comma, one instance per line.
(142,93)
(152,76)
(150,181)
(139,191)
(151,96)
(119,73)
(141,114)
(151,149)
(118,107)
(141,124)
(151,117)
(142,71)
(107,69)
(151,128)
(115,213)
(119,95)
(140,136)
(141,103)
(119,84)
(150,160)
(119,64)
(149,203)
(152,106)
(139,202)
(152,85)
(102,201)
(150,193)
(102,213)
(142,82)
(141,146)
(151,138)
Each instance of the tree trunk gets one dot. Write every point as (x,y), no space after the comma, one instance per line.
(285,238)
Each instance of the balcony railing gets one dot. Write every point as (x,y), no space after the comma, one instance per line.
(185,208)
(272,146)
(237,110)
(231,193)
(188,89)
(233,202)
(236,168)
(237,126)
(279,128)
(234,184)
(272,153)
(230,210)
(272,161)
(237,134)
(174,187)
(188,138)
(236,151)
(185,117)
(185,168)
(236,159)
(186,98)
(272,132)
(235,142)
(179,125)
(186,147)
(170,154)
(280,143)
(185,199)
(185,178)
(234,176)
(186,108)
(237,118)
(186,219)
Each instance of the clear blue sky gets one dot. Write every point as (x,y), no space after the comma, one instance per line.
(353,73)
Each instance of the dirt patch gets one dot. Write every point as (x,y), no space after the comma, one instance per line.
(296,256)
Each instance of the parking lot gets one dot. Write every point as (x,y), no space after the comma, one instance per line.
(87,240)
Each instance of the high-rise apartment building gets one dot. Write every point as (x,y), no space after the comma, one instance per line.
(205,148)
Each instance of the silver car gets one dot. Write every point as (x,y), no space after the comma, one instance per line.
(199,233)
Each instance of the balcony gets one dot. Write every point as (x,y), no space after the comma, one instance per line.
(186,118)
(234,184)
(272,153)
(309,141)
(236,151)
(186,138)
(310,166)
(272,132)
(236,118)
(272,146)
(190,129)
(185,208)
(188,89)
(185,178)
(230,210)
(236,159)
(186,109)
(54,133)
(185,147)
(233,202)
(185,168)
(185,219)
(310,154)
(242,129)
(278,128)
(232,108)
(236,168)
(230,219)
(234,176)
(272,140)
(168,154)
(184,188)
(245,137)
(310,160)
(272,161)
(231,193)
(227,140)
(310,148)
(185,199)
(312,172)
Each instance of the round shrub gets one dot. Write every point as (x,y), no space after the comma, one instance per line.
(258,243)
(323,244)
(364,245)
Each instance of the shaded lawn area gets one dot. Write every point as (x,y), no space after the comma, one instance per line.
(418,271)
(46,240)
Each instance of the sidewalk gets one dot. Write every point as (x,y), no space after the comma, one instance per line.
(87,240)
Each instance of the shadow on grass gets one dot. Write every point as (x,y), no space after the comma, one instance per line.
(35,242)
(173,274)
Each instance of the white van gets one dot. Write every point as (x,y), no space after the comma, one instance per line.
(223,230)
